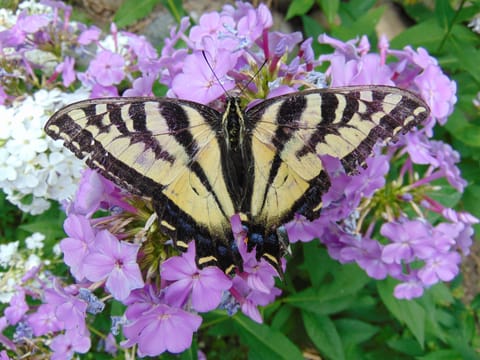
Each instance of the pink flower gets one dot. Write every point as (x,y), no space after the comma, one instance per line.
(77,245)
(157,327)
(198,83)
(116,262)
(438,91)
(107,68)
(64,346)
(205,287)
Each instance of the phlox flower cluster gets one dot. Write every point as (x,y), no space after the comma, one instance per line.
(410,248)
(113,247)
(40,38)
(33,168)
(16,258)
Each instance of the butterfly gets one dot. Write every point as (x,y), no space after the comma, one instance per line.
(200,166)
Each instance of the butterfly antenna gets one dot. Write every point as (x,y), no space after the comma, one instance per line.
(254,75)
(213,72)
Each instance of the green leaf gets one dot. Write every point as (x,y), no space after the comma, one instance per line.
(323,333)
(405,346)
(444,14)
(330,9)
(459,343)
(353,332)
(50,223)
(133,10)
(320,301)
(365,25)
(334,296)
(313,255)
(263,342)
(463,49)
(350,11)
(299,7)
(441,294)
(427,34)
(407,312)
(218,323)
(282,317)
(441,355)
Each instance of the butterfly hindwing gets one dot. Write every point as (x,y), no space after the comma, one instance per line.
(160,148)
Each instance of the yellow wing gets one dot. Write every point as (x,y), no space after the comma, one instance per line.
(290,133)
(161,148)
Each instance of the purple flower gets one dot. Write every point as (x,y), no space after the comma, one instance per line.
(438,91)
(464,240)
(259,275)
(249,28)
(210,24)
(300,229)
(99,91)
(116,262)
(198,83)
(17,308)
(3,96)
(95,192)
(142,86)
(249,298)
(26,24)
(205,287)
(264,16)
(419,149)
(64,346)
(408,290)
(368,255)
(441,267)
(90,35)
(107,68)
(447,158)
(67,69)
(255,285)
(77,246)
(147,58)
(44,320)
(68,307)
(409,239)
(110,345)
(157,327)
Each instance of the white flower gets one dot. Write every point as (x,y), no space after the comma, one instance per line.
(7,251)
(32,261)
(57,251)
(7,288)
(33,167)
(475,24)
(34,7)
(35,241)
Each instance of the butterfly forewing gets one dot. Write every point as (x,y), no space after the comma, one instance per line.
(163,149)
